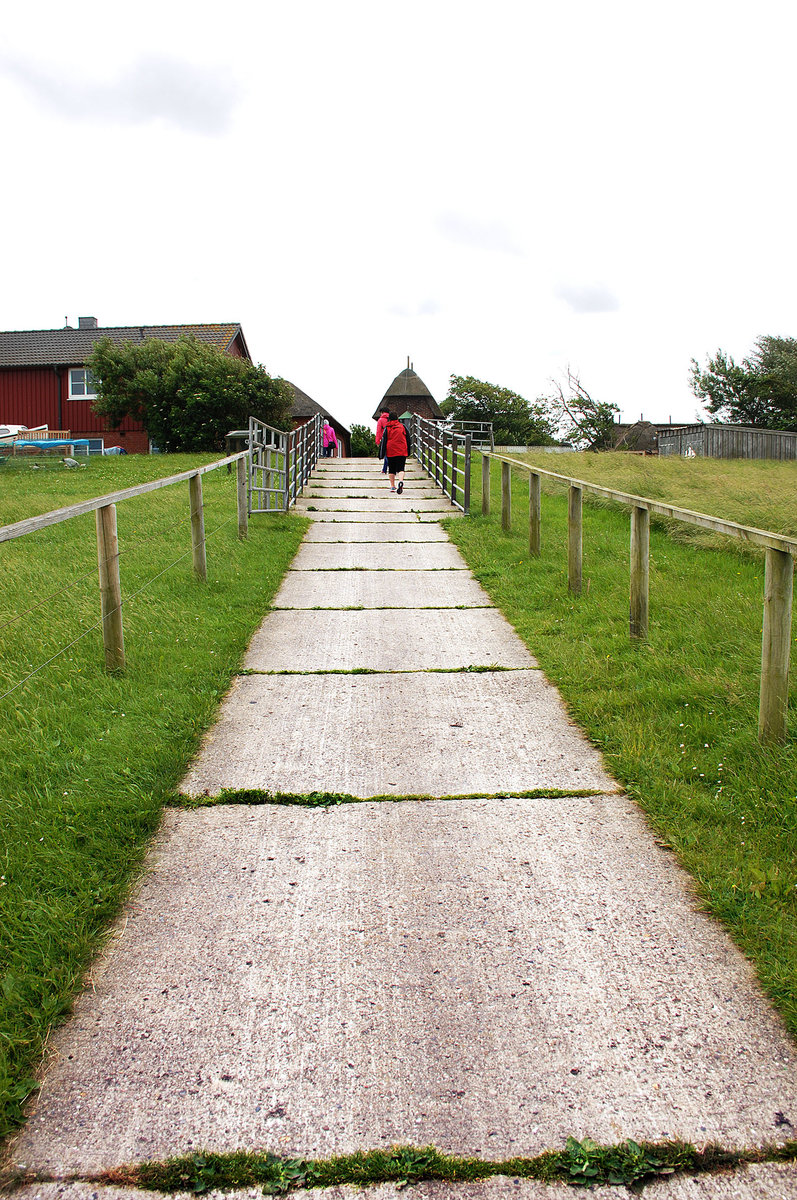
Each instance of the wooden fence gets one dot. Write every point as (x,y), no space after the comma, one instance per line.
(778,575)
(108,544)
(727,441)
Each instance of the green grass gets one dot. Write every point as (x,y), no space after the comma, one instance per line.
(329,799)
(581,1164)
(88,759)
(676,717)
(758,493)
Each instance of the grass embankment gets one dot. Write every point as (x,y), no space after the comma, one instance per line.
(676,717)
(88,759)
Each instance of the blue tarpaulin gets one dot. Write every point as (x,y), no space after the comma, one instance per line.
(50,443)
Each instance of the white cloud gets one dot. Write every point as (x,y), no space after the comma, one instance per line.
(196,99)
(408,311)
(588,297)
(383,181)
(493,236)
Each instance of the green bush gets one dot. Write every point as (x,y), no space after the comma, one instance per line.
(186,393)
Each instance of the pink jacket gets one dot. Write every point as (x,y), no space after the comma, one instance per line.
(330,437)
(380,428)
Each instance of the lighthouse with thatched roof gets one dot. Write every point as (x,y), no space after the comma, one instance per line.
(408,393)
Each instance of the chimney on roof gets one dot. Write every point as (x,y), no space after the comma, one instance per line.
(87,323)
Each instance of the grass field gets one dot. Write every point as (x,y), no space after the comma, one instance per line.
(675,717)
(762,494)
(87,758)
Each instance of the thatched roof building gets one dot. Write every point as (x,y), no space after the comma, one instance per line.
(408,393)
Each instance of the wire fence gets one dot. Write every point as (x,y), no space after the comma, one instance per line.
(109,554)
(778,578)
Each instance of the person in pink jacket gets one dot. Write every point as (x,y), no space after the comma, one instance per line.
(330,440)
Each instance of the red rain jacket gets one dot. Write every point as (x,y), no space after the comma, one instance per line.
(396,440)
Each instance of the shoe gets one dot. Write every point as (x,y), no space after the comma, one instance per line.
(392,489)
(400,487)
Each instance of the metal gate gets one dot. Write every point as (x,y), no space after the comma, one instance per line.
(445,455)
(280,463)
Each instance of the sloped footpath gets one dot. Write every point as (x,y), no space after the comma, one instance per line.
(488,952)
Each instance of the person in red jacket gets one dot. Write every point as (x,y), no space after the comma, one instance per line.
(397,451)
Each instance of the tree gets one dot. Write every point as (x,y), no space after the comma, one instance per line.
(515,421)
(363,444)
(759,391)
(186,393)
(586,422)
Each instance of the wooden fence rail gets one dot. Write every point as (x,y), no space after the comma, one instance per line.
(778,582)
(108,544)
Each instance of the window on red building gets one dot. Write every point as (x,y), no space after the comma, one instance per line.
(82,384)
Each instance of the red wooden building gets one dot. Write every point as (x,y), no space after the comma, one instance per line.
(44,381)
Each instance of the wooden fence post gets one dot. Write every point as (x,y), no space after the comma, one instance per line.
(485,485)
(574,539)
(243,500)
(506,497)
(640,571)
(535,514)
(776,646)
(198,527)
(110,588)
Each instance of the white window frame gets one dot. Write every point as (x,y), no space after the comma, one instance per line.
(86,380)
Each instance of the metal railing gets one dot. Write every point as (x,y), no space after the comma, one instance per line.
(305,446)
(481,432)
(280,463)
(445,455)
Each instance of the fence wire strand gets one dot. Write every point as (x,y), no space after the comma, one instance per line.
(125,549)
(127,600)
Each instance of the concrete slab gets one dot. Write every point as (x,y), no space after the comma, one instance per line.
(381,503)
(499,1188)
(398,516)
(375,532)
(761,1181)
(444,735)
(765,1181)
(352,489)
(293,979)
(380,589)
(429,556)
(341,641)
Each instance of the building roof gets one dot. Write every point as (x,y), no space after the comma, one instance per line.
(304,408)
(57,347)
(406,386)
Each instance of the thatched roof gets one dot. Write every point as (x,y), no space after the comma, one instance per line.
(304,408)
(405,387)
(641,436)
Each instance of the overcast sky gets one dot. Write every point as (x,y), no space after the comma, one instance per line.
(493,189)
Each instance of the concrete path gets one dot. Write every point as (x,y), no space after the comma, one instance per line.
(484,969)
